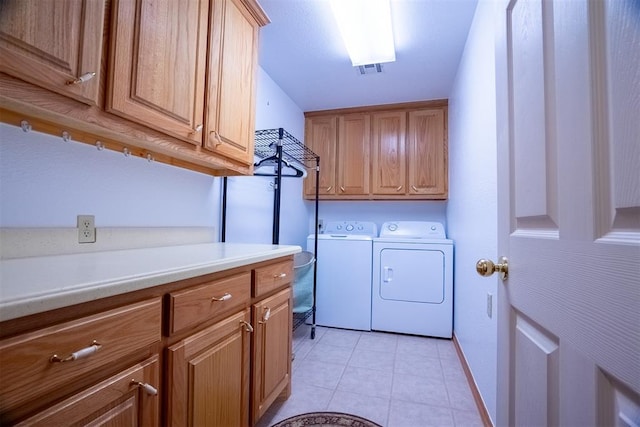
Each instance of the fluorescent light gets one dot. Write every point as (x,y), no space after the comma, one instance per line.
(365,26)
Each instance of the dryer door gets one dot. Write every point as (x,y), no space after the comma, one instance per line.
(415,275)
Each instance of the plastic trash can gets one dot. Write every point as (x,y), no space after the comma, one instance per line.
(303,282)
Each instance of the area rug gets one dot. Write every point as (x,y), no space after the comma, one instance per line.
(326,419)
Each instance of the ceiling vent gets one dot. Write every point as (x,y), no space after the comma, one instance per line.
(370,69)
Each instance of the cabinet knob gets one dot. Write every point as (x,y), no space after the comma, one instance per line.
(216,137)
(280,276)
(80,354)
(413,187)
(148,388)
(225,297)
(328,188)
(399,188)
(196,129)
(266,316)
(82,79)
(247,326)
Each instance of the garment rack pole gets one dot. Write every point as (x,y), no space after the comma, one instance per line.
(277,190)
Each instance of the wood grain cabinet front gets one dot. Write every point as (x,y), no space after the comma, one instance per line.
(129,398)
(389,152)
(35,367)
(270,277)
(178,85)
(157,65)
(208,375)
(189,307)
(54,44)
(271,354)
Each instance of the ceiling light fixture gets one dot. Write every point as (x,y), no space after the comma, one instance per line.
(365,26)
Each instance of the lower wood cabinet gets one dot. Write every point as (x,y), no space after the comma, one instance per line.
(208,351)
(271,354)
(208,375)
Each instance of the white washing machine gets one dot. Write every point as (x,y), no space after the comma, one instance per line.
(343,283)
(413,279)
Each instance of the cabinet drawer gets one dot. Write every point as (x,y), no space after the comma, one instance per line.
(119,399)
(27,365)
(271,277)
(195,305)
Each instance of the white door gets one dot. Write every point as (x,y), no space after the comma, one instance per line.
(568,86)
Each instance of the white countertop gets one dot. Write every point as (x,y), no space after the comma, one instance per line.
(37,284)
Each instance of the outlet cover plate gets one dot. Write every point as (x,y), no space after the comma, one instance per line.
(86,229)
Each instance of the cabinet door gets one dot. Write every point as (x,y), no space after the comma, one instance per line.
(231,82)
(271,351)
(53,43)
(389,167)
(320,136)
(157,64)
(208,376)
(427,153)
(122,400)
(354,141)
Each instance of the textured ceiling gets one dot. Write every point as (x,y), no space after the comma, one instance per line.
(303,53)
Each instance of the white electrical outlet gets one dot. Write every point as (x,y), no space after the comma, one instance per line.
(86,229)
(489,305)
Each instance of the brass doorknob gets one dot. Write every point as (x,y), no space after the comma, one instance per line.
(486,267)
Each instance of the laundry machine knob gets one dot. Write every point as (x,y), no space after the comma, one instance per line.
(392,227)
(338,227)
(349,227)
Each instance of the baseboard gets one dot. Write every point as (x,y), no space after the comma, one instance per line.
(484,414)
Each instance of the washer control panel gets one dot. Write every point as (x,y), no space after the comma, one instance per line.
(365,228)
(413,230)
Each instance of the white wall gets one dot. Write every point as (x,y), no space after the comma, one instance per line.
(250,199)
(472,209)
(46,182)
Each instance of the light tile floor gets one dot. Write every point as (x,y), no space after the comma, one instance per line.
(394,380)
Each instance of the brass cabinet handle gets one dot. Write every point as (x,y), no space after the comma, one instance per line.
(225,297)
(413,187)
(486,267)
(266,316)
(280,276)
(80,354)
(247,326)
(216,137)
(148,388)
(328,188)
(196,129)
(399,188)
(342,189)
(82,79)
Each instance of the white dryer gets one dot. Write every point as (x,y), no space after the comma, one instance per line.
(413,279)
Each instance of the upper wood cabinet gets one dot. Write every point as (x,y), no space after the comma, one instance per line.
(427,153)
(353,162)
(232,66)
(387,152)
(157,66)
(321,137)
(178,84)
(52,44)
(389,164)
